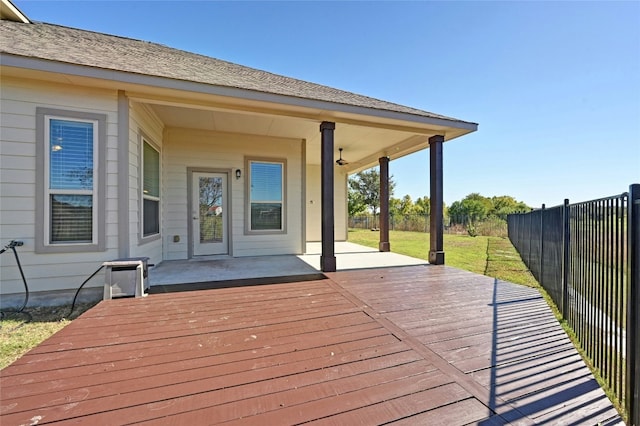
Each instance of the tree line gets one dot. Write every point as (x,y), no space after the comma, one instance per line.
(364,199)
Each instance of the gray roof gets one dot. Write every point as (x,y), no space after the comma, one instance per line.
(103,51)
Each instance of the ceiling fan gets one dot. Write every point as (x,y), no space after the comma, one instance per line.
(340,161)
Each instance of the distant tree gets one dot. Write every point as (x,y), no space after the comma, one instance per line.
(407,207)
(394,206)
(367,185)
(476,207)
(505,205)
(355,203)
(423,205)
(456,213)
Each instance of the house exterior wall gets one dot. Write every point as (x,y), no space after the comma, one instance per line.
(314,207)
(143,122)
(186,149)
(19,99)
(181,151)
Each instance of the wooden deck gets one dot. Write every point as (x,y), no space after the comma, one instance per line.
(414,345)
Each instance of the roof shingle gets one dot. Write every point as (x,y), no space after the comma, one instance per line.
(92,49)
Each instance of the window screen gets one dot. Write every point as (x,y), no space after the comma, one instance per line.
(70,184)
(266,200)
(150,190)
(71,218)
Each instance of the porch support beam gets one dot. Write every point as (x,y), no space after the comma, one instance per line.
(328,257)
(436,225)
(384,204)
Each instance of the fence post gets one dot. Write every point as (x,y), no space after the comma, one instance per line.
(530,237)
(542,245)
(566,238)
(633,306)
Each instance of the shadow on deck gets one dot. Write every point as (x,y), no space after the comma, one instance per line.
(405,345)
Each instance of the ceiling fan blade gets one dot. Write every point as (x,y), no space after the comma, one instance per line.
(340,161)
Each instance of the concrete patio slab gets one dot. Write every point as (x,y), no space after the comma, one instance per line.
(348,256)
(354,256)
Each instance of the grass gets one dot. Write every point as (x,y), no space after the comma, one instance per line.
(492,256)
(20,332)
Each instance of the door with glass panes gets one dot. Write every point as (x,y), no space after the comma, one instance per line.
(209,214)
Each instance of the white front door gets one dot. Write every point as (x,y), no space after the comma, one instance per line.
(209,214)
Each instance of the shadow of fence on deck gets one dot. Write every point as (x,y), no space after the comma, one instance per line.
(587,257)
(535,371)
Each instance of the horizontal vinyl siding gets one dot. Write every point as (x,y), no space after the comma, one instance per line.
(210,150)
(142,119)
(314,203)
(340,205)
(18,102)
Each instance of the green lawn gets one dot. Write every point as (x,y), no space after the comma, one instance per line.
(20,332)
(492,256)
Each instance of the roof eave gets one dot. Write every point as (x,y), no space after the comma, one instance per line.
(333,110)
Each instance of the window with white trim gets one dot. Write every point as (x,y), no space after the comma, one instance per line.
(70,181)
(150,190)
(266,202)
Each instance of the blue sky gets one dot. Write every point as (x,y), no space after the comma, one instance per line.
(554,86)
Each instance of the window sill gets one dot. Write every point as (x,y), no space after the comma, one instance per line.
(68,248)
(148,239)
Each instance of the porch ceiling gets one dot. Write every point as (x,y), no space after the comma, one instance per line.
(365,137)
(362,144)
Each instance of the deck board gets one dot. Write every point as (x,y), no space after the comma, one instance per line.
(407,345)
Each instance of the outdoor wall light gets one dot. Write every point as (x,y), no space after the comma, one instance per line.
(238,173)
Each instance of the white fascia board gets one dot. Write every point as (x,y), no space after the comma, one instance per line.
(12,12)
(231,92)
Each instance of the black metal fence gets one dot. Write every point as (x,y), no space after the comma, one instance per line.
(587,257)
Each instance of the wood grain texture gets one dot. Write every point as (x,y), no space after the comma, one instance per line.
(412,345)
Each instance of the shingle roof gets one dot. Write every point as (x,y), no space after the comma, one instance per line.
(75,46)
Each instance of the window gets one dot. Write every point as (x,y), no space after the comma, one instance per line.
(70,187)
(266,195)
(150,190)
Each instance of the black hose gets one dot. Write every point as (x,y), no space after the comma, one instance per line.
(12,245)
(80,288)
(24,280)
